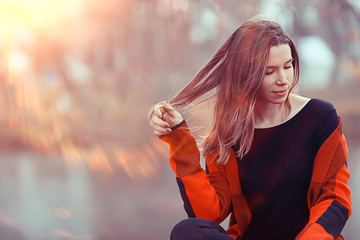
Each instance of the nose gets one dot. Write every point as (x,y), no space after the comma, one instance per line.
(281,78)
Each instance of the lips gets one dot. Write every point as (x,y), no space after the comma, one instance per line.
(281,93)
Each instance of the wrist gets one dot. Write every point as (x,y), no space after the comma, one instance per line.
(178,125)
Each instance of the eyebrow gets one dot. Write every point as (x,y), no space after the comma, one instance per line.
(288,61)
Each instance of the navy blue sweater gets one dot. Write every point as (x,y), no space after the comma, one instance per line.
(275,174)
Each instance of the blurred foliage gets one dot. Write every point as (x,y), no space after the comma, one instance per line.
(79,79)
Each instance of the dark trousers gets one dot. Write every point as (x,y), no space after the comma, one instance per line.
(198,229)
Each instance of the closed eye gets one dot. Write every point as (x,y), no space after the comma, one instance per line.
(287,65)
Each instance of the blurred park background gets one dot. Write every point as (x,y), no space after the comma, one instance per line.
(78,159)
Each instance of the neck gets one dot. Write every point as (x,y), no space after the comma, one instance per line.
(268,114)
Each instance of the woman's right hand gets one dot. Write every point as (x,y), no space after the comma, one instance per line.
(163,117)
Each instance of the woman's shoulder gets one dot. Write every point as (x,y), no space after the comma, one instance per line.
(323,114)
(320,114)
(316,106)
(322,105)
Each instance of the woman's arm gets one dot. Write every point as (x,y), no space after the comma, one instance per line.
(205,194)
(329,196)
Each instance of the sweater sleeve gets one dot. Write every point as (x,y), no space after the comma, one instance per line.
(205,194)
(329,195)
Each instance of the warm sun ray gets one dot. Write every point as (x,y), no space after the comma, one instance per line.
(39,14)
(46,86)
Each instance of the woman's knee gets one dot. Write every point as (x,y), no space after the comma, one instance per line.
(183,228)
(196,229)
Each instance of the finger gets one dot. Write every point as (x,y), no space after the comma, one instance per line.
(160,125)
(158,110)
(161,129)
(155,109)
(155,120)
(151,111)
(167,106)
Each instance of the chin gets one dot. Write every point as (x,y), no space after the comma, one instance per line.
(279,100)
(273,100)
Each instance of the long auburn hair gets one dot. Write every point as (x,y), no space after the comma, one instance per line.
(236,72)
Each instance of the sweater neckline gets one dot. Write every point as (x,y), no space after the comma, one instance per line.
(288,120)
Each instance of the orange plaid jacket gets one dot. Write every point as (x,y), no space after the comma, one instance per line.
(216,193)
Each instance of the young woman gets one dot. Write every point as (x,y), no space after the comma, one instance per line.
(275,161)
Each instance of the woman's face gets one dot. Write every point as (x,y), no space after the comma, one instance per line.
(278,77)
